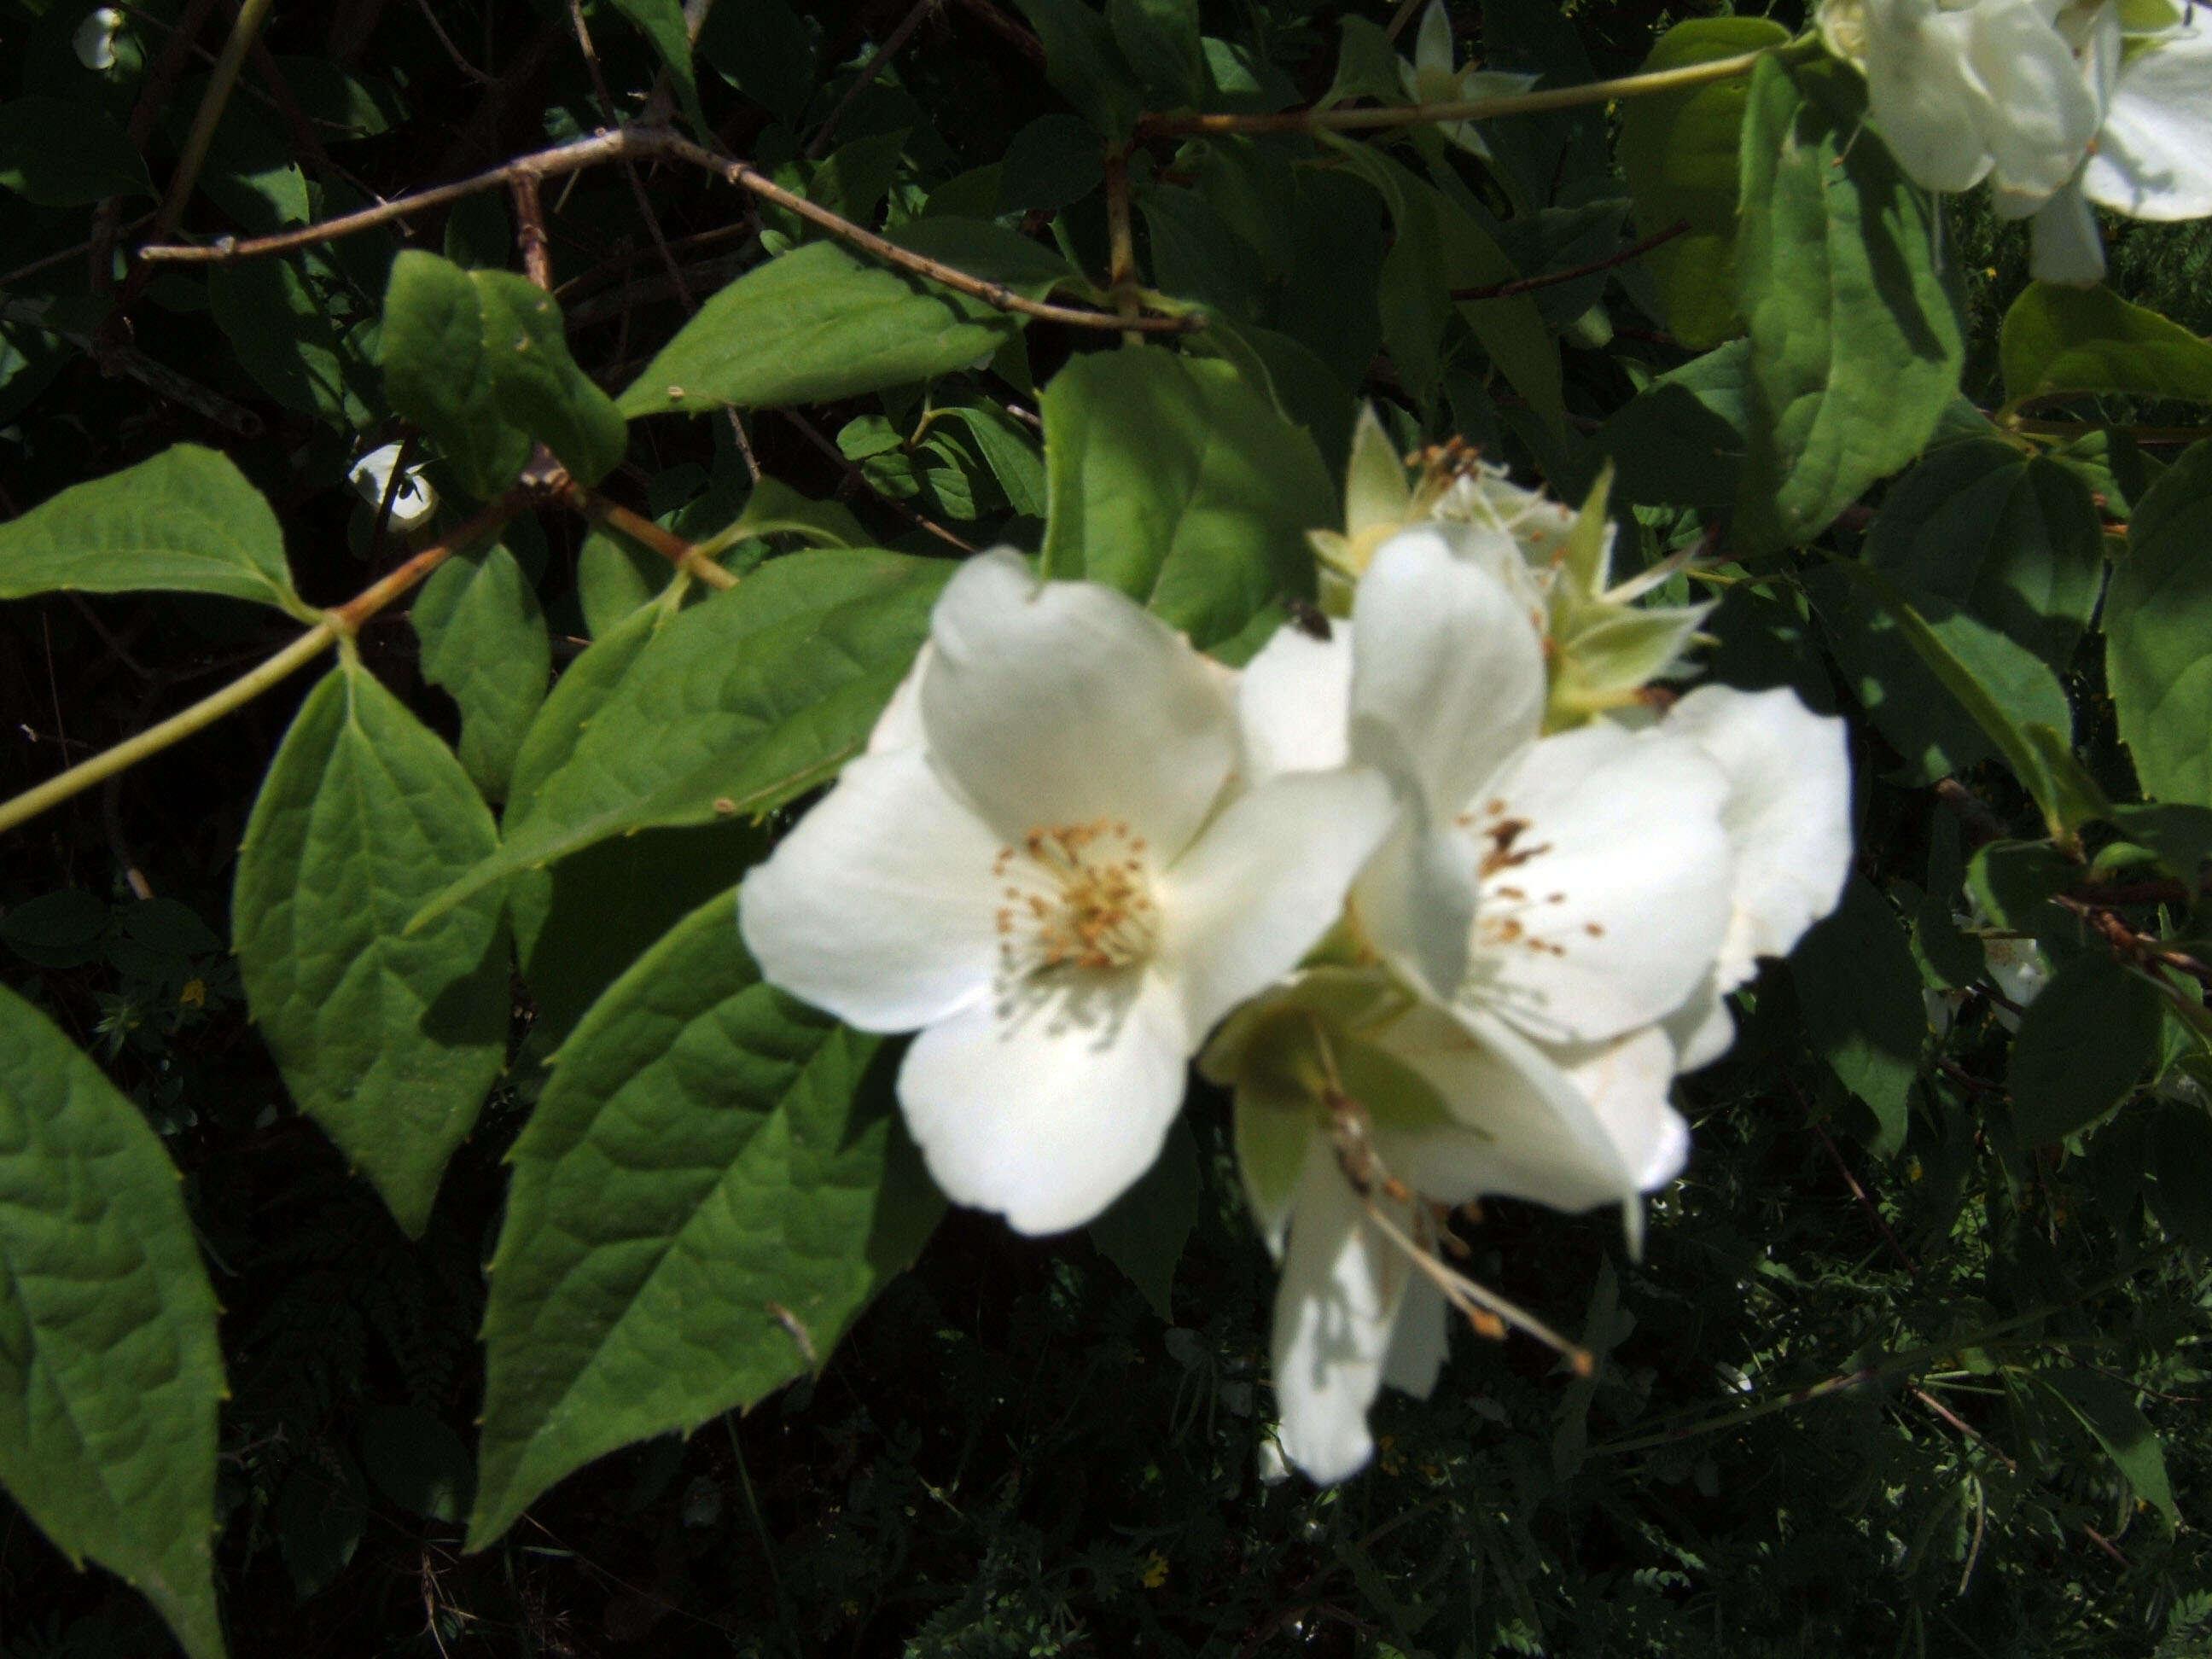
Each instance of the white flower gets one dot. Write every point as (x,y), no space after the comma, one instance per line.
(1047,865)
(94,39)
(1430,78)
(1964,90)
(2152,154)
(412,502)
(1548,911)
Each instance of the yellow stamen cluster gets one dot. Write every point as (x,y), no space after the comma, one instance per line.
(1076,895)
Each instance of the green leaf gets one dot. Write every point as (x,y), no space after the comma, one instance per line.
(477,360)
(661,23)
(186,521)
(775,509)
(812,326)
(1681,439)
(1678,151)
(2082,1046)
(2059,338)
(438,371)
(2014,701)
(1055,160)
(61,929)
(1176,483)
(712,1187)
(280,326)
(2180,836)
(389,1040)
(485,641)
(1143,1231)
(110,1374)
(1856,349)
(2106,1407)
(1366,66)
(418,1462)
(2158,634)
(61,153)
(1011,451)
(318,1517)
(1085,64)
(2013,881)
(2011,538)
(1860,991)
(1159,39)
(742,704)
(2180,1189)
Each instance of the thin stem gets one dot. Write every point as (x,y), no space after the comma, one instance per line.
(1552,278)
(866,78)
(682,554)
(1474,109)
(2142,435)
(154,739)
(1121,244)
(224,76)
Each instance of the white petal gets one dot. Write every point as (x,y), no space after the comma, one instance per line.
(1432,48)
(1787,814)
(1054,703)
(1295,701)
(1340,1292)
(2153,158)
(880,907)
(1573,1128)
(2045,110)
(1264,882)
(1448,674)
(1421,1340)
(1415,903)
(899,726)
(1922,97)
(2065,244)
(1047,1108)
(1606,904)
(1702,1029)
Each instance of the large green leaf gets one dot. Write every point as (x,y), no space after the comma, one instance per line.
(61,153)
(733,706)
(712,1188)
(2158,634)
(185,520)
(485,641)
(2107,1407)
(110,1375)
(280,322)
(390,1040)
(2083,1044)
(1678,150)
(814,325)
(1681,439)
(2060,338)
(477,360)
(2010,538)
(1859,988)
(1173,480)
(1855,347)
(1084,63)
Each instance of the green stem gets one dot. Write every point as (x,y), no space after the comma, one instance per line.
(1474,109)
(225,77)
(154,739)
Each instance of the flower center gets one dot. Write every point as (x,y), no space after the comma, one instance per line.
(1076,895)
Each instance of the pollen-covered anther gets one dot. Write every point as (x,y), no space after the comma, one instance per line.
(1083,898)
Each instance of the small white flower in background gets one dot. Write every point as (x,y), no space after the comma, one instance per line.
(412,502)
(1431,77)
(1543,943)
(94,39)
(1048,865)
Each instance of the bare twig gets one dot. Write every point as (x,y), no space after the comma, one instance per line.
(530,229)
(866,78)
(1552,278)
(1975,815)
(224,76)
(430,16)
(641,141)
(114,357)
(641,529)
(1851,1181)
(1962,1425)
